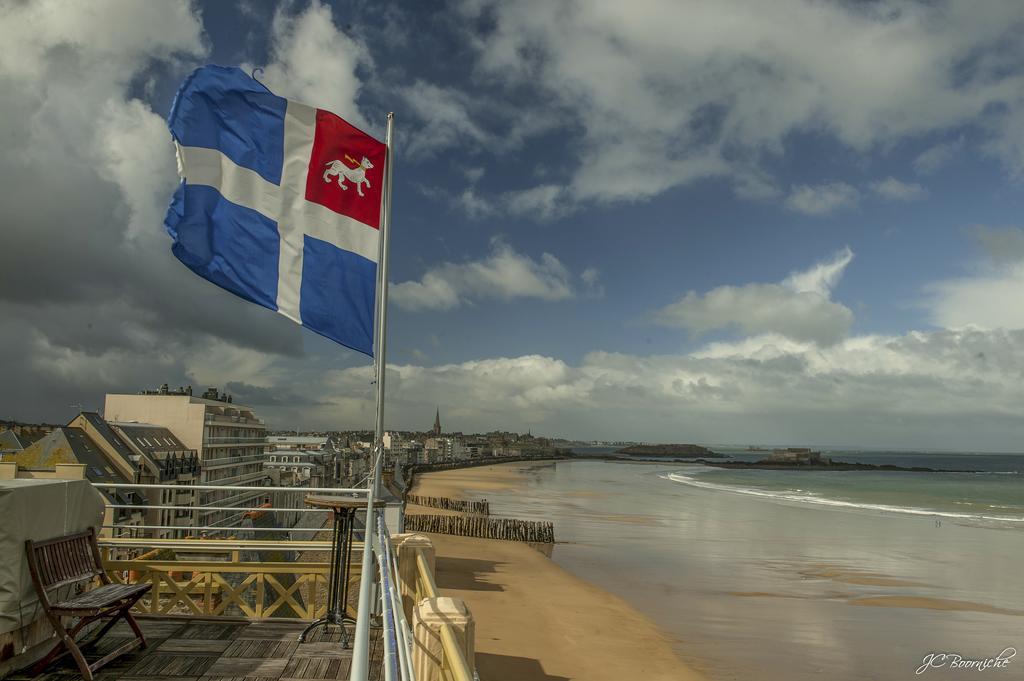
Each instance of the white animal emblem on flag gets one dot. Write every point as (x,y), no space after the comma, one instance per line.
(355,175)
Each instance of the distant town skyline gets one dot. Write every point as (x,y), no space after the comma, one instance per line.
(784,223)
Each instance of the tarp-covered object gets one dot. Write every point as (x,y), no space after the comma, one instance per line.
(37,510)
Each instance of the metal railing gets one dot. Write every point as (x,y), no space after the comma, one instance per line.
(233,441)
(256,579)
(247,492)
(228,460)
(232,419)
(397,635)
(252,475)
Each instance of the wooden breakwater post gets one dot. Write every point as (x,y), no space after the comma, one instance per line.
(447,504)
(510,529)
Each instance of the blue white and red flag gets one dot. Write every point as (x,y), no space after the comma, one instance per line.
(279,203)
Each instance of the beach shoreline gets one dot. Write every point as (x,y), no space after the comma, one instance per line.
(737,585)
(534,619)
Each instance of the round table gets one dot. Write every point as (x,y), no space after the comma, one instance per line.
(343,510)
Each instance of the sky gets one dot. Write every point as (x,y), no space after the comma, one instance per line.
(734,222)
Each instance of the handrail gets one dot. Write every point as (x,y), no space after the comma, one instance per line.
(228,460)
(426,577)
(233,488)
(212,528)
(392,635)
(213,545)
(405,631)
(284,509)
(253,475)
(453,656)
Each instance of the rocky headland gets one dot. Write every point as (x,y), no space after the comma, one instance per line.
(673,451)
(766,464)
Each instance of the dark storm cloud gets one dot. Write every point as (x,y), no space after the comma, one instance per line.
(91,298)
(257,396)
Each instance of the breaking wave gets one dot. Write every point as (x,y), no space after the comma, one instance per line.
(805,497)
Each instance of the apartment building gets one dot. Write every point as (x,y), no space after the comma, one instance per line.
(229,438)
(150,455)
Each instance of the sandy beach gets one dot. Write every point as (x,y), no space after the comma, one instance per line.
(655,579)
(536,621)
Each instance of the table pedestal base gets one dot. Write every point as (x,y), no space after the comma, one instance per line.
(344,512)
(326,621)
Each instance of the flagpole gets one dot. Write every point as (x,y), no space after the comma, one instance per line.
(360,653)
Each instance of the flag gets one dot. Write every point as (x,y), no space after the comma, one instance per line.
(279,203)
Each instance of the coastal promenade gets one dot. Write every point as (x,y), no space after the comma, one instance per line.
(534,620)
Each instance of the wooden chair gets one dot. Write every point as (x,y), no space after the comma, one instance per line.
(64,561)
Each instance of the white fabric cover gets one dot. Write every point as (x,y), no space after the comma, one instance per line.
(38,510)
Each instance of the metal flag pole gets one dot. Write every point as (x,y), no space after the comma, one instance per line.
(361,650)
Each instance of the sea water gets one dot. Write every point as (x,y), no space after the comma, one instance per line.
(761,574)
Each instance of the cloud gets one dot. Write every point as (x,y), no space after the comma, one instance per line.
(543,202)
(821,278)
(445,120)
(540,203)
(504,275)
(989,297)
(269,396)
(591,279)
(1002,245)
(798,308)
(822,199)
(666,93)
(988,301)
(941,389)
(312,61)
(473,204)
(935,157)
(895,190)
(474,174)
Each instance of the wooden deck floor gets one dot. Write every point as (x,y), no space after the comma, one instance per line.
(198,650)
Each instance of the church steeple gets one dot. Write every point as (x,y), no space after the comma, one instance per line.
(437,422)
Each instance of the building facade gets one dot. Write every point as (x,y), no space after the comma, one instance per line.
(229,438)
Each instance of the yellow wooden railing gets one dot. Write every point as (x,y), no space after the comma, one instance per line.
(208,578)
(453,664)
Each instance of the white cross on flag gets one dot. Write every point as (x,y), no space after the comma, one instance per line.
(279,203)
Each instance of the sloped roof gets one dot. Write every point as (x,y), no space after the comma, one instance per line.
(108,434)
(151,440)
(71,445)
(9,440)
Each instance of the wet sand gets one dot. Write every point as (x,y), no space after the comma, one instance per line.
(737,587)
(534,620)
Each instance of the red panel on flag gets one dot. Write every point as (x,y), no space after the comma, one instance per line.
(346,169)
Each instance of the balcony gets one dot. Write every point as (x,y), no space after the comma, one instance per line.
(238,479)
(220,608)
(209,442)
(222,649)
(229,420)
(231,461)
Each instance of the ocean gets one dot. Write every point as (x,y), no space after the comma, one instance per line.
(769,575)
